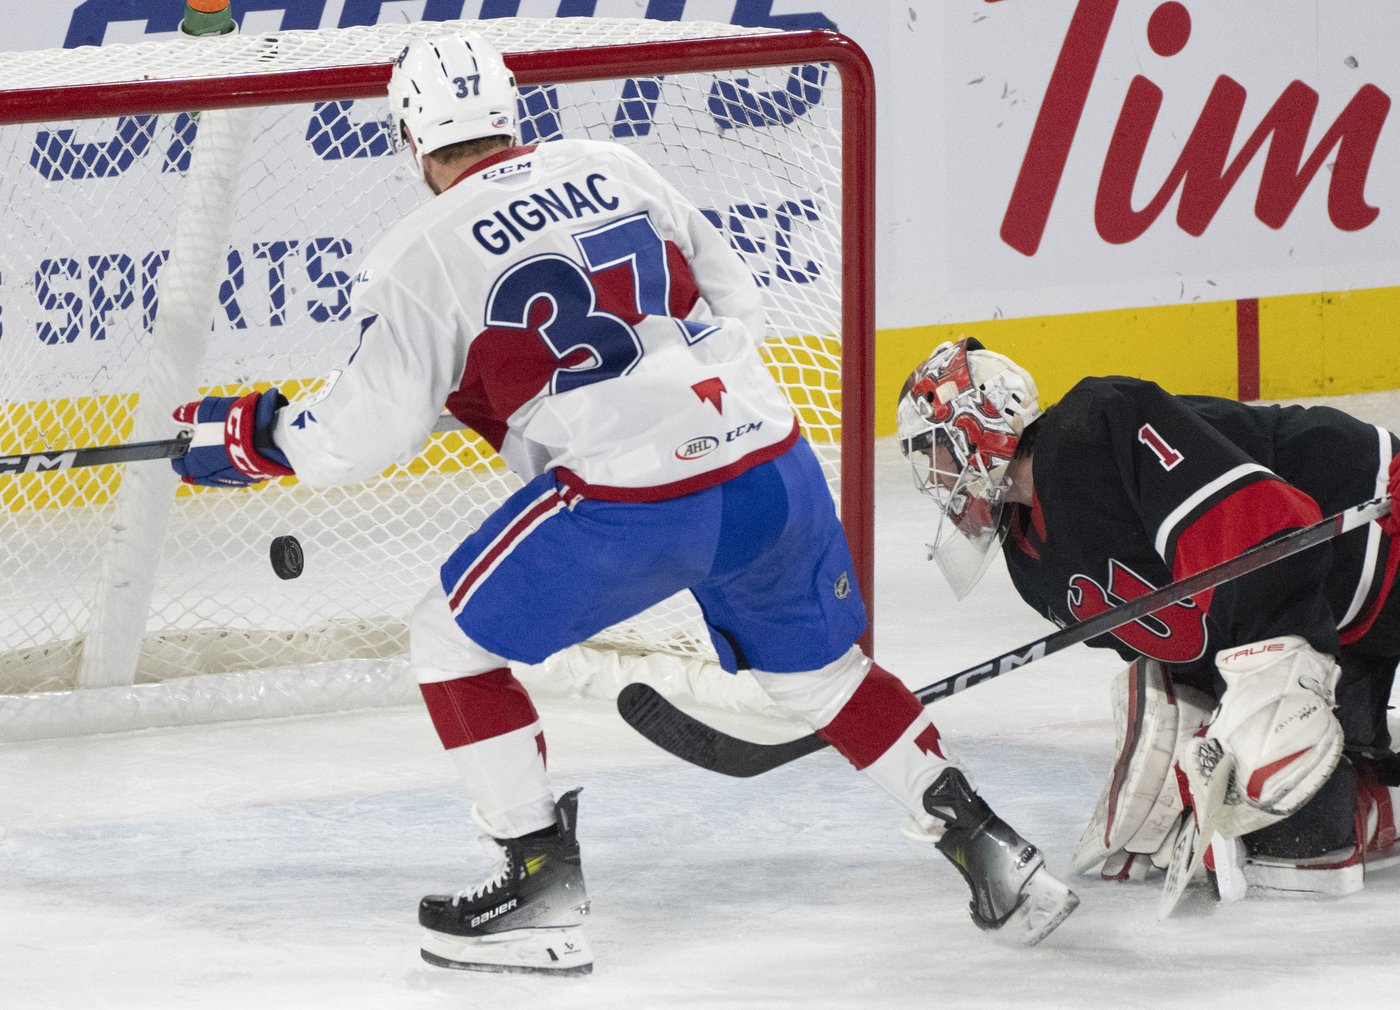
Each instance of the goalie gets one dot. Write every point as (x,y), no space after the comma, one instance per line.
(1285,673)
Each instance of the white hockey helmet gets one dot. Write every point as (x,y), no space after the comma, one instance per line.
(961,415)
(447,89)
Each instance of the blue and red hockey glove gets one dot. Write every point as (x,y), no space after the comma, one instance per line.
(232,444)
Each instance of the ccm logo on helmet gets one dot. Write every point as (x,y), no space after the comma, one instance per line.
(697,447)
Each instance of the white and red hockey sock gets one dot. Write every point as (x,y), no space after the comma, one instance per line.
(885,731)
(489,727)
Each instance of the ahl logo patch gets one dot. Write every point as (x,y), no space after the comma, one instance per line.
(697,447)
(843,586)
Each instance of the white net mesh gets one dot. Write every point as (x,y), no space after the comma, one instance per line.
(97,210)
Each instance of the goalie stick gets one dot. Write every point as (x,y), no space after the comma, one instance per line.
(653,716)
(129,452)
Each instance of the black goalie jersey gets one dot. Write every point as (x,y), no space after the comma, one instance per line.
(1135,488)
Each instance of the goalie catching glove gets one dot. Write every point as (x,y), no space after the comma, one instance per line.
(1276,719)
(232,440)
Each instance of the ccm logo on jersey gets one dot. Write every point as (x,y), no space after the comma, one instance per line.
(697,447)
(477,920)
(705,444)
(510,168)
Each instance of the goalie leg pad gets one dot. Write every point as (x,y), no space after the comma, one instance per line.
(1140,806)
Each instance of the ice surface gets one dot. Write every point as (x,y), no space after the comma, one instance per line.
(278,864)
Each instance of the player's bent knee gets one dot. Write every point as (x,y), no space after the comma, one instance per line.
(438,649)
(816,695)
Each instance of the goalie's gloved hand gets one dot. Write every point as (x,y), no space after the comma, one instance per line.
(1391,523)
(232,444)
(1276,719)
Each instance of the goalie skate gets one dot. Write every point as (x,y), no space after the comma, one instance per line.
(1343,871)
(527,917)
(1013,894)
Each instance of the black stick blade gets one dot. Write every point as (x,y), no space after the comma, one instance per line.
(650,714)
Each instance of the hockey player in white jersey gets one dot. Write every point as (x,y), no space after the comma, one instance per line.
(568,304)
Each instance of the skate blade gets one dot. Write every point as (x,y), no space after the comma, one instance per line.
(1045,903)
(1287,877)
(521,951)
(1335,874)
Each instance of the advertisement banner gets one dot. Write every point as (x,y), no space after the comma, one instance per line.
(1115,153)
(1041,157)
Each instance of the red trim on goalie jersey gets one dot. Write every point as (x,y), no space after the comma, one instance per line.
(1358,628)
(1248,516)
(877,715)
(472,709)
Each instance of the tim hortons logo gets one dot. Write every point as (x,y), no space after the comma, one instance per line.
(1204,173)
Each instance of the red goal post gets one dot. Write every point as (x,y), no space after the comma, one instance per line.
(132,224)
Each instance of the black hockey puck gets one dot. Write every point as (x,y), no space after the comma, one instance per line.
(286,556)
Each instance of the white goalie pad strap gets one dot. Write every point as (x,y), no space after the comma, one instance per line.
(1141,802)
(1276,719)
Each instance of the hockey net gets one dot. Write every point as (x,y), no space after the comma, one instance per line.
(131,224)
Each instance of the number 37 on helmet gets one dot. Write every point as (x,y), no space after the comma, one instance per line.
(961,415)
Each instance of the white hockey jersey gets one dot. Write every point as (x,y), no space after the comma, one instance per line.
(569,305)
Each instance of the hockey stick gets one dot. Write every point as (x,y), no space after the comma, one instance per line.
(661,722)
(101,455)
(130,452)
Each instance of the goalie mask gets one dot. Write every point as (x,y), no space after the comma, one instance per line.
(448,89)
(961,414)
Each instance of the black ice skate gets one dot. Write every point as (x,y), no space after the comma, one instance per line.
(1012,892)
(528,917)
